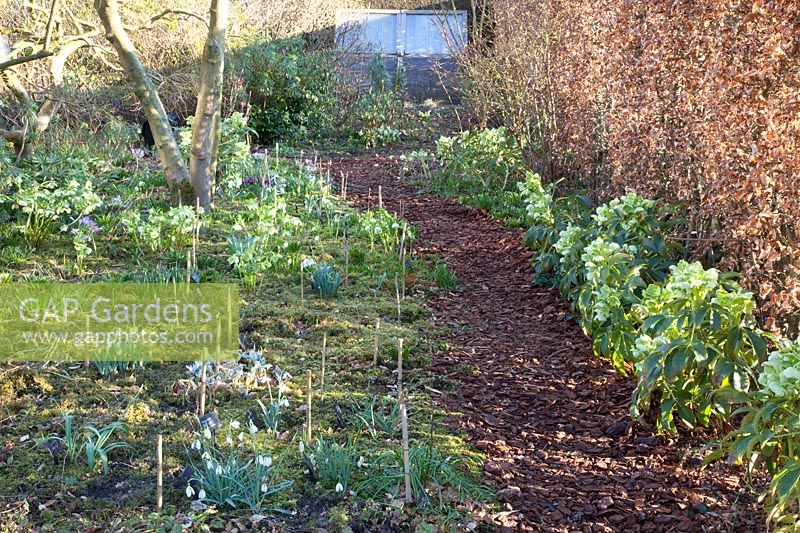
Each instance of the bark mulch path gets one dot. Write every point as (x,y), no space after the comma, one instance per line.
(551,418)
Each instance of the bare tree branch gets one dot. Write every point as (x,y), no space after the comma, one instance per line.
(99,52)
(51,21)
(25,59)
(192,14)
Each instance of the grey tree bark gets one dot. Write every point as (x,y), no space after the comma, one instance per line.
(194,184)
(205,133)
(175,170)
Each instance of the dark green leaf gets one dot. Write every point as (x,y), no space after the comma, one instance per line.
(716,322)
(757,342)
(700,352)
(787,480)
(676,364)
(699,316)
(722,370)
(686,415)
(733,342)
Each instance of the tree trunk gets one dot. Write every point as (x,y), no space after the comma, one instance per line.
(205,134)
(175,170)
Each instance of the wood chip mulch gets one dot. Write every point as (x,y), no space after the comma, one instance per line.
(551,418)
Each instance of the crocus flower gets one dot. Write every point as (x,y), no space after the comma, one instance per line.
(87,222)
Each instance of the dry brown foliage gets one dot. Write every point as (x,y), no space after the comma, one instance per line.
(692,101)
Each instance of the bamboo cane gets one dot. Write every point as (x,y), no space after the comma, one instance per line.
(406,462)
(159,474)
(308,411)
(376,346)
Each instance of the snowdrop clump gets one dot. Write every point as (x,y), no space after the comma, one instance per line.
(235,473)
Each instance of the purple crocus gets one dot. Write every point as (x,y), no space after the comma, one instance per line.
(88,223)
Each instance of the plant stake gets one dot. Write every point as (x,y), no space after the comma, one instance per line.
(376,336)
(406,461)
(308,411)
(400,369)
(159,474)
(324,352)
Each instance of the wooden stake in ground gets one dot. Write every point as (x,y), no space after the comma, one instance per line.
(403,262)
(188,268)
(219,340)
(308,411)
(86,362)
(324,353)
(302,288)
(159,474)
(380,197)
(196,233)
(399,369)
(346,257)
(201,402)
(230,317)
(375,348)
(406,462)
(397,294)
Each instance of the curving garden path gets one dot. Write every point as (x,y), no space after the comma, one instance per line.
(551,418)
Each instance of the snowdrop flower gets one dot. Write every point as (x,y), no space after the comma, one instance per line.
(210,465)
(301,447)
(264,487)
(207,433)
(284,402)
(308,262)
(196,445)
(253,429)
(201,495)
(189,491)
(235,424)
(240,436)
(219,470)
(339,487)
(361,462)
(265,461)
(229,440)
